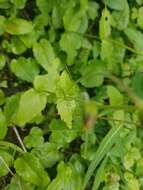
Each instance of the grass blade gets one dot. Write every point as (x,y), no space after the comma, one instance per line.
(103,149)
(99,174)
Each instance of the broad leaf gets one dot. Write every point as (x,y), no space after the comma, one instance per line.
(25,69)
(31,104)
(29,168)
(35,138)
(44,53)
(18,26)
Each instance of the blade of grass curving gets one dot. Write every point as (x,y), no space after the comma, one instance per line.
(99,174)
(103,149)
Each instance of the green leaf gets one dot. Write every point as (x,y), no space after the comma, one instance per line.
(93,74)
(47,82)
(35,138)
(75,20)
(45,6)
(48,154)
(92,9)
(3,125)
(67,91)
(61,135)
(25,69)
(29,168)
(115,4)
(67,178)
(18,26)
(11,108)
(2,97)
(105,24)
(16,183)
(115,97)
(137,84)
(4,4)
(102,150)
(31,104)
(19,4)
(6,160)
(99,174)
(121,18)
(66,110)
(70,43)
(140,17)
(2,61)
(44,53)
(136,37)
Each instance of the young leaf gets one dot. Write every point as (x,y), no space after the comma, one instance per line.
(31,104)
(67,92)
(25,69)
(105,24)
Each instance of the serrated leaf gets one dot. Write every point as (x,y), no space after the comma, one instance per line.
(25,69)
(29,168)
(66,110)
(44,53)
(67,92)
(31,104)
(17,26)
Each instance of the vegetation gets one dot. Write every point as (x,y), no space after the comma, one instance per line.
(71,94)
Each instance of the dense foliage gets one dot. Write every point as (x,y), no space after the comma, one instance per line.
(71,94)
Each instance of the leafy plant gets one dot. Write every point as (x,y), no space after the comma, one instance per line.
(71,95)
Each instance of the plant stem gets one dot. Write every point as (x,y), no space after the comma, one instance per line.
(19,139)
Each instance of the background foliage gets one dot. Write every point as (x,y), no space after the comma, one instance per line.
(71,94)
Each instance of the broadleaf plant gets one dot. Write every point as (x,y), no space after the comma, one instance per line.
(71,94)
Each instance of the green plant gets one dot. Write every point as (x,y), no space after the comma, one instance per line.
(71,95)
